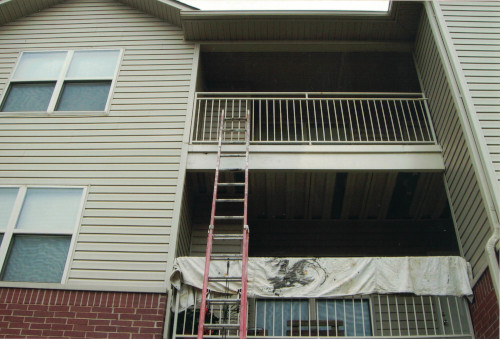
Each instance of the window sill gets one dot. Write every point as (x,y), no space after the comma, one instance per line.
(54,114)
(161,288)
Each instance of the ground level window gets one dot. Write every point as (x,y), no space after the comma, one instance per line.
(37,225)
(312,317)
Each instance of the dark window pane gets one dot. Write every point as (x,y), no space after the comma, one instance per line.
(37,258)
(33,97)
(84,96)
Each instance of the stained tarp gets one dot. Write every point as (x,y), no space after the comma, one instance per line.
(329,277)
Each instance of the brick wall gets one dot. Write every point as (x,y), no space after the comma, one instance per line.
(484,309)
(78,314)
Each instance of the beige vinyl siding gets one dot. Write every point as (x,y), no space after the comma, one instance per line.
(130,159)
(474,28)
(465,198)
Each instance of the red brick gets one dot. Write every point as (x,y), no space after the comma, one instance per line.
(55,321)
(38,308)
(125,310)
(144,323)
(17,307)
(105,328)
(58,308)
(74,334)
(119,336)
(100,322)
(96,335)
(127,323)
(80,308)
(34,320)
(64,314)
(62,327)
(107,316)
(101,309)
(53,333)
(43,314)
(31,332)
(130,317)
(153,317)
(12,331)
(86,328)
(88,315)
(4,311)
(147,311)
(77,321)
(127,329)
(150,330)
(40,326)
(23,313)
(13,319)
(142,336)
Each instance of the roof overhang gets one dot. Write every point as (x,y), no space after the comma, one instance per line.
(399,24)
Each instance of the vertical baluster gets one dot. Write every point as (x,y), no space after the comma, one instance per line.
(380,314)
(274,309)
(404,118)
(300,318)
(327,318)
(329,119)
(411,118)
(294,120)
(385,121)
(378,119)
(301,120)
(265,316)
(283,317)
(281,121)
(322,118)
(343,120)
(397,117)
(255,317)
(350,119)
(267,119)
(364,119)
(407,316)
(363,315)
(451,316)
(176,314)
(345,323)
(434,320)
(287,120)
(308,120)
(415,313)
(357,119)
(418,120)
(194,311)
(198,117)
(253,127)
(392,120)
(397,313)
(313,102)
(336,318)
(211,120)
(441,314)
(260,119)
(389,314)
(424,314)
(274,120)
(203,130)
(459,315)
(371,121)
(426,118)
(354,314)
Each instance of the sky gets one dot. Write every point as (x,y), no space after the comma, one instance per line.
(371,5)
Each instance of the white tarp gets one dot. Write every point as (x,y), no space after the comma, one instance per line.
(329,277)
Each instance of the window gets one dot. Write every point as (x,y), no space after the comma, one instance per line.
(36,228)
(62,81)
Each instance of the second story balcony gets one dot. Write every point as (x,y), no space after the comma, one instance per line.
(315,118)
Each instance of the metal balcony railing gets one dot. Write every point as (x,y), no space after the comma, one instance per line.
(313,118)
(374,316)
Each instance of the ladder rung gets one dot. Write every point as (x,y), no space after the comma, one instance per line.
(234,118)
(228,236)
(228,217)
(218,256)
(234,129)
(223,301)
(230,200)
(231,184)
(224,279)
(221,326)
(233,155)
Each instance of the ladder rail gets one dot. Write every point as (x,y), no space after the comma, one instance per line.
(244,263)
(208,253)
(241,326)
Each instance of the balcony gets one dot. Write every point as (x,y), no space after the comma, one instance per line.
(335,297)
(316,118)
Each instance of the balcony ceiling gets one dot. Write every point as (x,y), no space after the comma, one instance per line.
(330,196)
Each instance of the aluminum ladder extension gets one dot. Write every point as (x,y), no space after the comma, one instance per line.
(225,326)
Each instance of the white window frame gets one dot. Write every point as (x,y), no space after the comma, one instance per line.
(56,94)
(10,231)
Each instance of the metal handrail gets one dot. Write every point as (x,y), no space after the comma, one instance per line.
(294,117)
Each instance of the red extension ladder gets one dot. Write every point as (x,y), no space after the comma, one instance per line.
(226,184)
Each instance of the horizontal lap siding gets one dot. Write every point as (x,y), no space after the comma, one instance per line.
(474,28)
(465,199)
(130,159)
